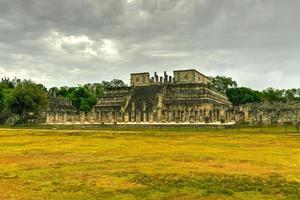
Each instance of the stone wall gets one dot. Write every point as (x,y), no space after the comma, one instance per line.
(252,114)
(60,110)
(140,79)
(269,113)
(190,76)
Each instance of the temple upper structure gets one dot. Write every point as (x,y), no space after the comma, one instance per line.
(180,76)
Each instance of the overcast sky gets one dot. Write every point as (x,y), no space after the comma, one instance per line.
(70,42)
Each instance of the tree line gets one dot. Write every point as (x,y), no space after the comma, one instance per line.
(243,95)
(23,100)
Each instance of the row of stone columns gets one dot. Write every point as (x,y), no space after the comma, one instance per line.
(272,117)
(192,115)
(137,116)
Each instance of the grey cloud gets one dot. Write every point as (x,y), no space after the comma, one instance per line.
(66,42)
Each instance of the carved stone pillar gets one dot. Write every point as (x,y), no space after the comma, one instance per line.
(65,118)
(126,117)
(183,115)
(151,117)
(159,119)
(73,118)
(99,118)
(48,118)
(189,115)
(56,118)
(213,116)
(169,116)
(138,116)
(133,115)
(145,116)
(82,117)
(92,118)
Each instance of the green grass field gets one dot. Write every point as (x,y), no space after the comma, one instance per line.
(148,164)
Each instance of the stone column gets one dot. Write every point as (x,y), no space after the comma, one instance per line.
(138,116)
(246,116)
(56,118)
(151,117)
(222,115)
(109,116)
(145,116)
(183,115)
(114,117)
(126,117)
(120,117)
(82,117)
(159,115)
(48,118)
(179,113)
(72,118)
(207,116)
(192,116)
(198,116)
(168,116)
(133,116)
(92,117)
(99,119)
(188,115)
(65,118)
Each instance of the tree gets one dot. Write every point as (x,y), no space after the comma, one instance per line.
(290,94)
(27,99)
(6,83)
(113,83)
(272,94)
(117,83)
(222,83)
(243,95)
(99,90)
(83,99)
(1,99)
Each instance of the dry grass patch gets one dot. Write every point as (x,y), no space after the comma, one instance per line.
(150,164)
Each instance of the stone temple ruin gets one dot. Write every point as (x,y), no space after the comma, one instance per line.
(182,98)
(185,97)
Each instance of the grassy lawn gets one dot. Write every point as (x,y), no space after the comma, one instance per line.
(148,164)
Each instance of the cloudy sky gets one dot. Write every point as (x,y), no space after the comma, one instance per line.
(70,42)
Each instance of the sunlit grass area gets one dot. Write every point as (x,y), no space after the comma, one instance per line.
(149,164)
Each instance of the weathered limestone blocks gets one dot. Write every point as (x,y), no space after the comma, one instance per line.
(270,113)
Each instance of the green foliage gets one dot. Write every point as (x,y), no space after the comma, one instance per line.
(6,83)
(27,99)
(243,95)
(272,94)
(222,83)
(114,83)
(85,97)
(220,184)
(1,99)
